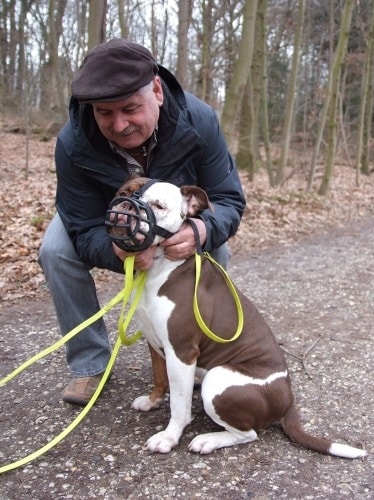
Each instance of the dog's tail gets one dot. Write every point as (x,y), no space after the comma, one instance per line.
(292,427)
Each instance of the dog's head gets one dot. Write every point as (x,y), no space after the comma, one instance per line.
(145,211)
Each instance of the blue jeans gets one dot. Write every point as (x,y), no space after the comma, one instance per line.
(74,296)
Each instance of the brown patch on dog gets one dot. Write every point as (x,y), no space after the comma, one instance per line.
(160,377)
(132,185)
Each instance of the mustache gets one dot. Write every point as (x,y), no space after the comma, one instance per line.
(127,131)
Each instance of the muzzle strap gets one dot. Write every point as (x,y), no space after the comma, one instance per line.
(192,223)
(137,194)
(160,231)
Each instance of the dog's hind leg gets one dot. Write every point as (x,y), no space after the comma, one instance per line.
(161,384)
(240,404)
(206,443)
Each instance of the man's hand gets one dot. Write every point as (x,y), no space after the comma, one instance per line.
(143,260)
(179,246)
(183,244)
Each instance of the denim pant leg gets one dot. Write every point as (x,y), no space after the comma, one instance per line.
(221,255)
(74,296)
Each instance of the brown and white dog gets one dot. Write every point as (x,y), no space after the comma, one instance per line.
(246,384)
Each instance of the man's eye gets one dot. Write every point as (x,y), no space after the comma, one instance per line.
(131,110)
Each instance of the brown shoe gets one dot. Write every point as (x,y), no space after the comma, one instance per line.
(80,390)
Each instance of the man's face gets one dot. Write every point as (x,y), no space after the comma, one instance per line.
(130,122)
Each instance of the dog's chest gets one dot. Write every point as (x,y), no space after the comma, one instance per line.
(154,311)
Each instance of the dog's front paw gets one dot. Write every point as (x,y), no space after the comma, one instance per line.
(145,403)
(162,442)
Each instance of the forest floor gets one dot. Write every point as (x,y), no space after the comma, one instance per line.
(308,264)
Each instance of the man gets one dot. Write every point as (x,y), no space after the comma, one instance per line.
(127,115)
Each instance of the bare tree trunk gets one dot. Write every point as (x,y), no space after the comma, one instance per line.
(55,29)
(245,157)
(21,62)
(340,111)
(341,49)
(264,116)
(122,19)
(248,148)
(52,89)
(96,22)
(206,58)
(291,92)
(369,110)
(361,157)
(331,89)
(184,19)
(154,31)
(240,74)
(12,53)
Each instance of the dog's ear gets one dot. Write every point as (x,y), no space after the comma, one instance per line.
(134,183)
(197,200)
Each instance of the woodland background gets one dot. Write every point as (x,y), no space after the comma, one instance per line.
(285,76)
(292,82)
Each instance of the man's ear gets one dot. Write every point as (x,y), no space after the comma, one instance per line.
(197,200)
(131,185)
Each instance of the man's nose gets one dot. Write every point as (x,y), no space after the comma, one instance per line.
(120,123)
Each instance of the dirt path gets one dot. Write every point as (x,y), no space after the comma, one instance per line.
(317,295)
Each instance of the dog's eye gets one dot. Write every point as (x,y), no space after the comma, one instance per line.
(157,206)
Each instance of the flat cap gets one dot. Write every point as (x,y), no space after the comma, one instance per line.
(113,71)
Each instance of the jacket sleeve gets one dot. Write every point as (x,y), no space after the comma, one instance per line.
(217,174)
(81,202)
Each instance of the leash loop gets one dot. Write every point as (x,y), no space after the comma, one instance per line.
(204,327)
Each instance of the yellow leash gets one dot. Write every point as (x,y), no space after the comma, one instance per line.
(204,327)
(134,286)
(130,285)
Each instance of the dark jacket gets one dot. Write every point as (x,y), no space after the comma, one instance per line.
(190,150)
